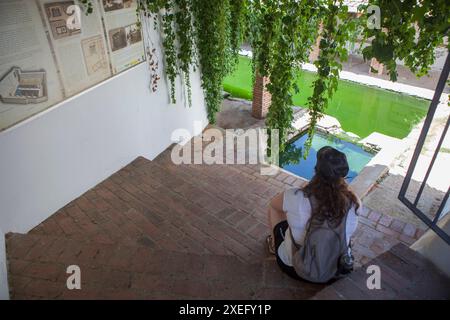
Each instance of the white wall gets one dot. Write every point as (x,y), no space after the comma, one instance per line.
(56,156)
(4,293)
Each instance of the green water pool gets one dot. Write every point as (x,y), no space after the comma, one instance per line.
(359,108)
(357,157)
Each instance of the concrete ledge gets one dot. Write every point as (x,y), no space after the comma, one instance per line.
(379,165)
(367,178)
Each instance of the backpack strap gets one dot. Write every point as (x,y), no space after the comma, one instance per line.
(313,204)
(295,244)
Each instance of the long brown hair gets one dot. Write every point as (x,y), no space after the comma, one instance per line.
(333,198)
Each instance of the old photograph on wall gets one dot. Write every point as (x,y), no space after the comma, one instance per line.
(124,35)
(133,34)
(81,56)
(111,5)
(58,14)
(117,38)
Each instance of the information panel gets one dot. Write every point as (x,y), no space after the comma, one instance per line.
(51,50)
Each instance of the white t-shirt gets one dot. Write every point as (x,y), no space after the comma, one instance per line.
(298,210)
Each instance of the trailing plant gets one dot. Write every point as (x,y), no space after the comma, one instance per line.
(264,19)
(287,29)
(150,9)
(170,51)
(212,21)
(410,31)
(185,35)
(337,31)
(199,32)
(87,6)
(163,14)
(282,33)
(219,28)
(238,26)
(275,49)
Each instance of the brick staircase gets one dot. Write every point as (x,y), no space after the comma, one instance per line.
(405,275)
(155,230)
(138,272)
(158,230)
(38,265)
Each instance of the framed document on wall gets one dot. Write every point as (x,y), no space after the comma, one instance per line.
(51,50)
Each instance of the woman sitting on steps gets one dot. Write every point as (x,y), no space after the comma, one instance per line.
(311,227)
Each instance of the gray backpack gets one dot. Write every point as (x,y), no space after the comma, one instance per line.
(325,253)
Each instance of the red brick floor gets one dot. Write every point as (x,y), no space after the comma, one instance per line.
(159,230)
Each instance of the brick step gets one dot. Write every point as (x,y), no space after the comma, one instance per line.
(231,183)
(175,208)
(156,206)
(405,274)
(193,205)
(178,179)
(139,207)
(245,203)
(230,193)
(230,178)
(138,272)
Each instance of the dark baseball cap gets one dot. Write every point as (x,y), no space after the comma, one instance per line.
(331,163)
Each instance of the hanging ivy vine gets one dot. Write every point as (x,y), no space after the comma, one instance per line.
(285,31)
(263,29)
(208,34)
(238,26)
(87,6)
(212,21)
(275,49)
(337,31)
(170,51)
(203,33)
(410,31)
(185,33)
